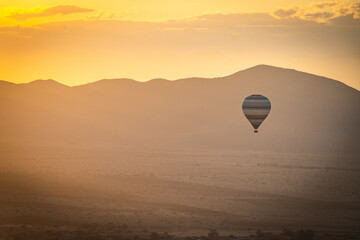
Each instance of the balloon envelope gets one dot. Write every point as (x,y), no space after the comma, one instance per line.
(256,108)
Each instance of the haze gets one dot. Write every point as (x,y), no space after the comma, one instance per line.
(179,157)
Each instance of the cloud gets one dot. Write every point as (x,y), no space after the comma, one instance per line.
(325,4)
(347,20)
(322,12)
(234,19)
(52,11)
(201,44)
(344,11)
(356,6)
(356,9)
(285,13)
(321,15)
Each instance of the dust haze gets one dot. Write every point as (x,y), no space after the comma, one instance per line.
(162,158)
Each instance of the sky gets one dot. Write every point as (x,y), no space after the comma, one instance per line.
(80,41)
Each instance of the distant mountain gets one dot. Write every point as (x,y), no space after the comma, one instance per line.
(309,112)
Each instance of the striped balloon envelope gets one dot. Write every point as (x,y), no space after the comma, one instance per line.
(256,108)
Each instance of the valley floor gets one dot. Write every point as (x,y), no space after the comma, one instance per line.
(114,193)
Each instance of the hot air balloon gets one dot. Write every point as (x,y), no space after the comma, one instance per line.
(256,108)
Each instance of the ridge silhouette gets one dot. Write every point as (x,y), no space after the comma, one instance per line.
(310,113)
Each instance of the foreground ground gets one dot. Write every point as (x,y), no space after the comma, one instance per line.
(117,232)
(69,192)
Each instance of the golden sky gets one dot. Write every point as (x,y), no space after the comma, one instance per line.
(80,41)
(145,10)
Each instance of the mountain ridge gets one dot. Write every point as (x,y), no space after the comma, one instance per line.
(260,67)
(309,112)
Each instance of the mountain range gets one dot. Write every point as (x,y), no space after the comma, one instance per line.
(309,113)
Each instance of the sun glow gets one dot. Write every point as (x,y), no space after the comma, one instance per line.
(76,42)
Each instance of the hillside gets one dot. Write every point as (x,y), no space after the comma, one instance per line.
(309,112)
